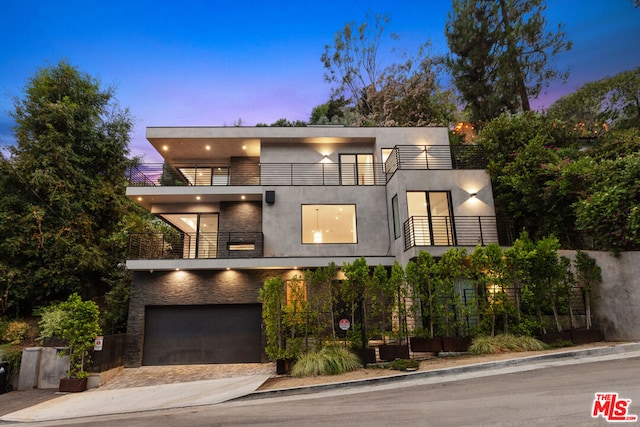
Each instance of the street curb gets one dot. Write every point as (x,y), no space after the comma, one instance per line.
(444,372)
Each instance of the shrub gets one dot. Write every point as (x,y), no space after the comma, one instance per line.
(403,364)
(13,356)
(51,319)
(16,332)
(504,343)
(331,360)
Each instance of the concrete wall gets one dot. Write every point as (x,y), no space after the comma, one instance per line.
(186,288)
(42,367)
(616,300)
(282,221)
(461,183)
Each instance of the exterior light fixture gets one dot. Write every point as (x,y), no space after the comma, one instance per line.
(243,197)
(474,195)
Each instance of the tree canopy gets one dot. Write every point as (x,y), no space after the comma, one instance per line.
(500,54)
(367,92)
(611,102)
(62,196)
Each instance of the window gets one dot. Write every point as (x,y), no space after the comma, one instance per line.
(431,217)
(323,224)
(396,216)
(200,234)
(356,169)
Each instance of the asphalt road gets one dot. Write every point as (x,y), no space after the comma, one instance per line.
(551,396)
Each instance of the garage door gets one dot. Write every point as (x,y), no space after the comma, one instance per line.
(187,335)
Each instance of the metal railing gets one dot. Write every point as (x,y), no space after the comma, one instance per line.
(405,157)
(202,245)
(450,231)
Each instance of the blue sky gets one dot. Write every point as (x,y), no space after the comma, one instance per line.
(210,63)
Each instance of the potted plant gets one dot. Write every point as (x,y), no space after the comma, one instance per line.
(79,328)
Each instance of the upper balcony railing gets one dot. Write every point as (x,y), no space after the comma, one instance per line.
(455,231)
(405,157)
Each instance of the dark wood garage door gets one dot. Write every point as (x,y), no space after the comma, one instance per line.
(187,335)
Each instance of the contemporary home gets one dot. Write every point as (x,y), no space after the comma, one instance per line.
(243,204)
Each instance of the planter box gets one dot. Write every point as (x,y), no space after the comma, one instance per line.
(456,344)
(585,336)
(420,344)
(370,355)
(283,366)
(393,351)
(72,385)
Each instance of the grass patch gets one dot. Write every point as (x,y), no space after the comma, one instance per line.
(505,343)
(330,360)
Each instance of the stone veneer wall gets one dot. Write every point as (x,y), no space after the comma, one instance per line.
(186,288)
(240,217)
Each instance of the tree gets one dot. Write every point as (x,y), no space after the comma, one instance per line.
(611,102)
(500,54)
(65,189)
(608,209)
(409,95)
(367,93)
(284,123)
(527,152)
(352,62)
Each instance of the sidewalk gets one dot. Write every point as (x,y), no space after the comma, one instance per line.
(126,396)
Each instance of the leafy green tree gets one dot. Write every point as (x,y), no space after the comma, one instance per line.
(527,153)
(79,328)
(422,278)
(284,123)
(611,102)
(68,169)
(588,274)
(500,54)
(331,112)
(608,209)
(322,298)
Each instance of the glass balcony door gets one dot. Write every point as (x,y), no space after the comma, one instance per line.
(432,217)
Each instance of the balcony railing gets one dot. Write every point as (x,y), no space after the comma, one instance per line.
(408,157)
(191,246)
(451,231)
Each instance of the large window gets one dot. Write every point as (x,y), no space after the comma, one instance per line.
(323,224)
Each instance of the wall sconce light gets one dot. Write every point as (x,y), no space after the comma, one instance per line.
(326,156)
(474,195)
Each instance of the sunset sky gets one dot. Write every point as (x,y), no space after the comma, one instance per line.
(211,63)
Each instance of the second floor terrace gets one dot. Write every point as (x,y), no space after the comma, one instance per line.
(250,171)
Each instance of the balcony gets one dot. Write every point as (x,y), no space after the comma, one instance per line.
(196,246)
(454,231)
(412,157)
